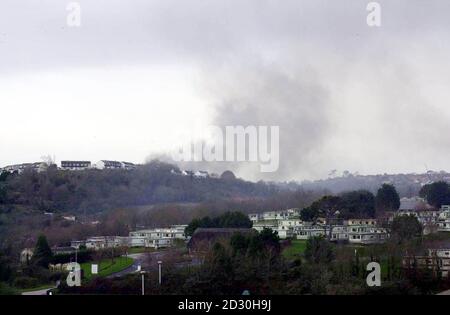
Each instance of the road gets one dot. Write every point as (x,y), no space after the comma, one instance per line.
(139,260)
(37,292)
(148,261)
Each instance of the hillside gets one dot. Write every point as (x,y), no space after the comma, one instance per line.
(93,191)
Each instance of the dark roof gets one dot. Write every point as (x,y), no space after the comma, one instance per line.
(72,162)
(414,204)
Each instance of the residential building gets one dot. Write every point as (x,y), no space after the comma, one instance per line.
(284,232)
(75,165)
(354,231)
(366,235)
(114,165)
(201,174)
(290,222)
(436,259)
(128,166)
(58,250)
(255,217)
(367,222)
(265,224)
(77,244)
(20,168)
(157,238)
(425,213)
(104,242)
(443,221)
(275,215)
(105,164)
(310,230)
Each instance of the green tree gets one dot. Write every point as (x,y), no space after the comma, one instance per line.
(42,252)
(323,207)
(319,251)
(358,204)
(233,219)
(436,194)
(239,244)
(309,214)
(227,220)
(270,239)
(406,227)
(387,199)
(204,222)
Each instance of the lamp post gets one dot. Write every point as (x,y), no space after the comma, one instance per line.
(159,268)
(143,283)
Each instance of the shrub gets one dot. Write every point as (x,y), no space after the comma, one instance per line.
(25,282)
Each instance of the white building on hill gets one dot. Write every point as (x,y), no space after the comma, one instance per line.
(444,219)
(20,168)
(157,238)
(75,165)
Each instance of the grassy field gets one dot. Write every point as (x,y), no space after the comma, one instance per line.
(297,248)
(138,250)
(106,267)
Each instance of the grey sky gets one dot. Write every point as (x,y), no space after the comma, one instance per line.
(137,74)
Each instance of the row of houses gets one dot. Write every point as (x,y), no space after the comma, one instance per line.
(150,238)
(198,174)
(69,166)
(101,165)
(432,219)
(19,168)
(289,225)
(437,260)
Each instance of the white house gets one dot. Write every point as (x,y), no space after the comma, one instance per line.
(437,259)
(75,165)
(156,238)
(307,231)
(275,215)
(20,168)
(104,242)
(425,213)
(201,174)
(366,235)
(265,224)
(443,221)
(105,164)
(255,217)
(356,231)
(290,222)
(284,232)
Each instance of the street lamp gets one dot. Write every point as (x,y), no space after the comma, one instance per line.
(143,283)
(159,267)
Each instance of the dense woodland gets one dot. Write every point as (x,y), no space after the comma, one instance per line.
(95,191)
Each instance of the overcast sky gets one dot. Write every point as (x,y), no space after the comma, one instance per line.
(137,75)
